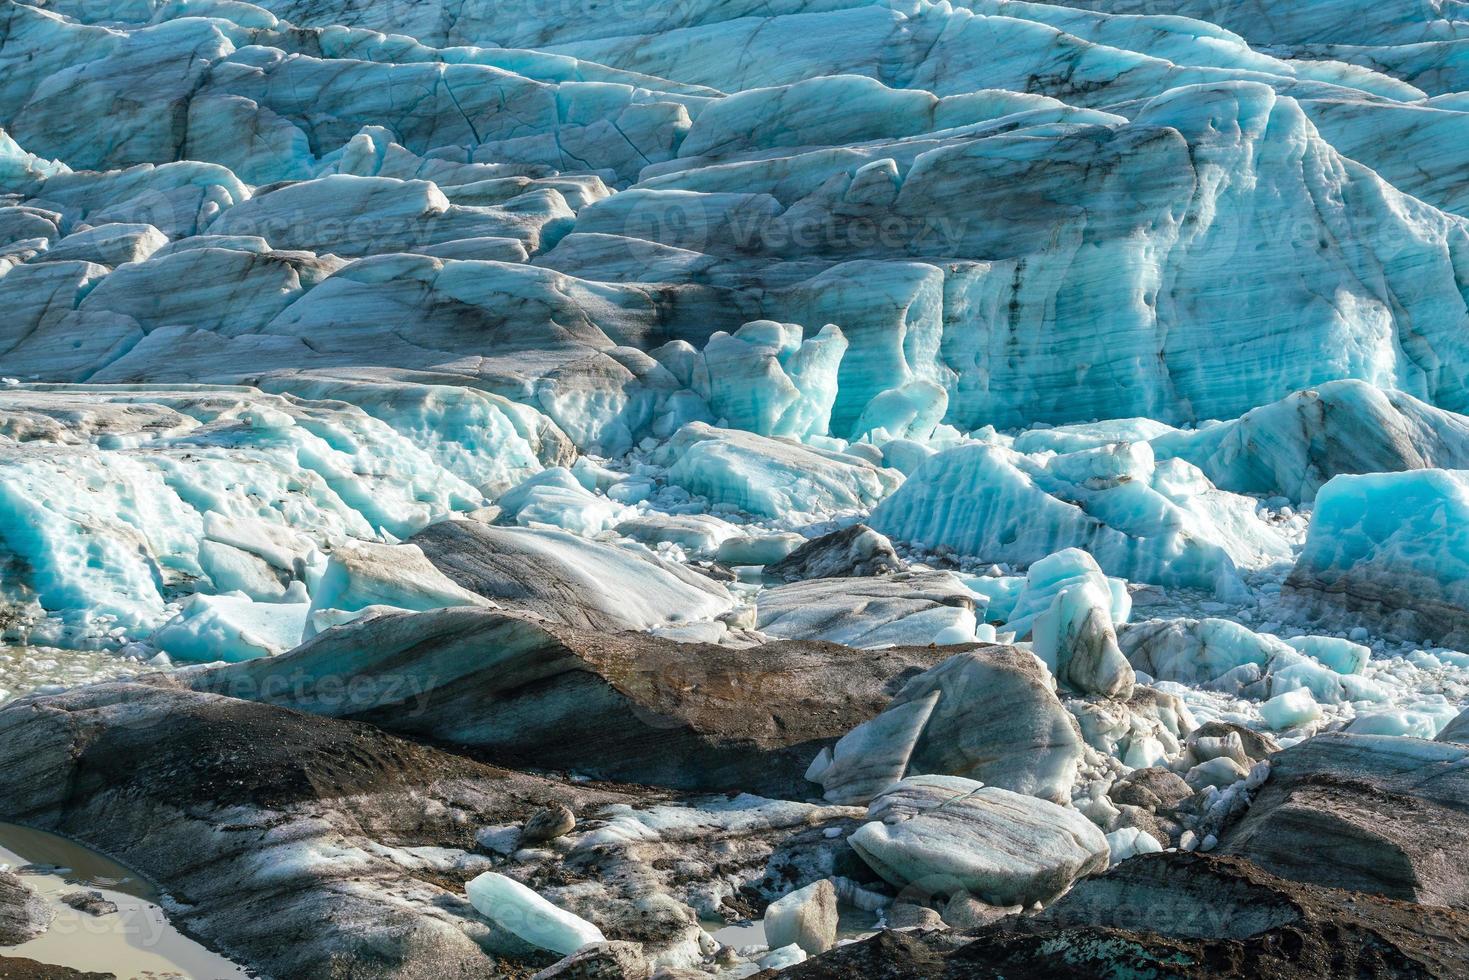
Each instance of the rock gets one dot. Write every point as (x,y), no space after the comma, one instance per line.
(989,714)
(1368,813)
(90,902)
(807,917)
(529,692)
(1153,789)
(908,608)
(569,579)
(1456,730)
(24,915)
(906,915)
(548,824)
(514,907)
(20,968)
(852,552)
(967,913)
(1004,848)
(600,961)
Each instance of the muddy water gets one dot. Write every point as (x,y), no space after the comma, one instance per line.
(137,941)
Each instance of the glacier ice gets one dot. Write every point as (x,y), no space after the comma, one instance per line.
(1142,520)
(1135,330)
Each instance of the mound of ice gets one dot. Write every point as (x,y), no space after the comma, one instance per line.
(1004,848)
(1389,551)
(569,579)
(772,477)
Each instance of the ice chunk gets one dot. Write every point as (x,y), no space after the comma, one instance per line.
(989,715)
(1196,651)
(1073,633)
(699,535)
(765,379)
(234,627)
(1004,848)
(1293,446)
(517,909)
(1342,656)
(1127,842)
(555,498)
(807,917)
(1390,550)
(569,579)
(1290,710)
(361,574)
(772,477)
(905,609)
(758,549)
(911,411)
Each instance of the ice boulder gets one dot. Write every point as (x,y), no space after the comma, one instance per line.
(907,609)
(1388,550)
(233,627)
(185,489)
(764,378)
(1067,608)
(759,549)
(1341,656)
(855,551)
(1002,847)
(518,909)
(772,477)
(1141,520)
(1290,709)
(556,498)
(910,411)
(807,917)
(699,535)
(989,714)
(361,575)
(569,579)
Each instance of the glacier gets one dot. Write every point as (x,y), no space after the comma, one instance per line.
(1006,435)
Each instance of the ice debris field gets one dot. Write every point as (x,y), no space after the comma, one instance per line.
(1128,339)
